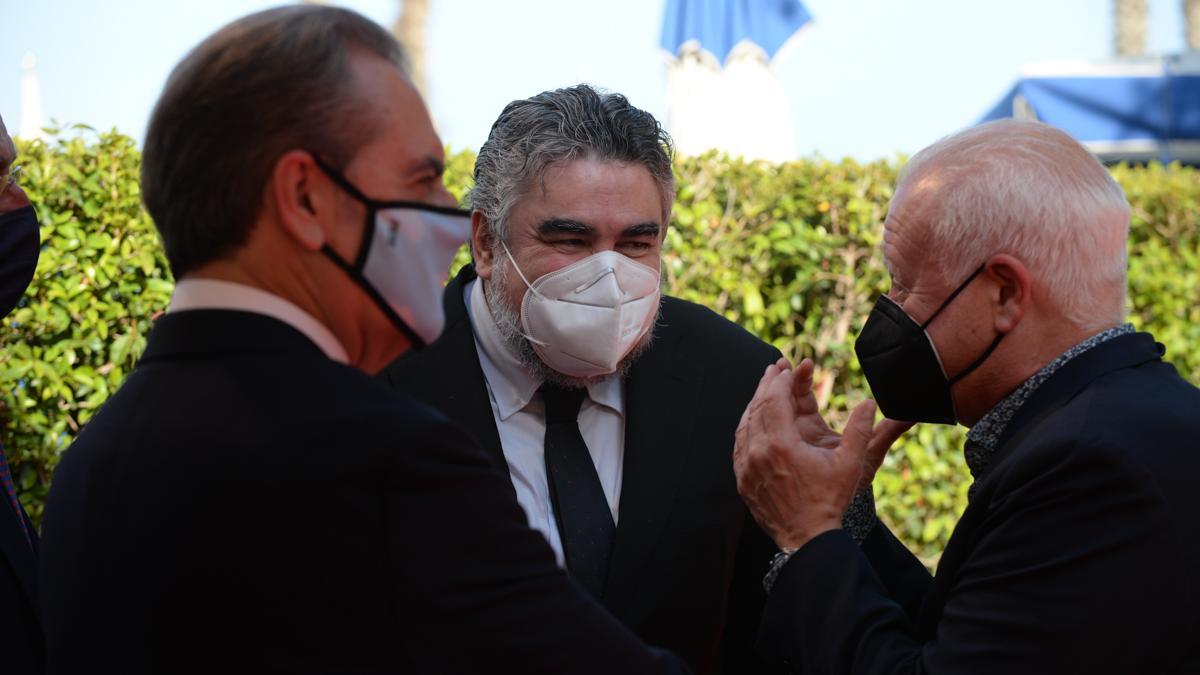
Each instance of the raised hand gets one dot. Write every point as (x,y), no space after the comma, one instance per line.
(795,473)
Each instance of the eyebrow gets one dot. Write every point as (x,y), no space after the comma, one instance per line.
(642,230)
(568,226)
(563,226)
(429,163)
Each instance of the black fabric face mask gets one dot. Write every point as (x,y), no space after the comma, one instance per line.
(20,245)
(902,365)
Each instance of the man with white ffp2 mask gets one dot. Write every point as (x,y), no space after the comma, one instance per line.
(253,499)
(611,407)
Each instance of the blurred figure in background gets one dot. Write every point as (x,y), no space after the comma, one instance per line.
(21,648)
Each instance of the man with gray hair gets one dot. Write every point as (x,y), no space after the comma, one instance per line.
(611,407)
(1078,551)
(253,500)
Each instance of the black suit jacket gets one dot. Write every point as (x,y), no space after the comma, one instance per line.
(20,632)
(1079,551)
(688,562)
(245,504)
(21,649)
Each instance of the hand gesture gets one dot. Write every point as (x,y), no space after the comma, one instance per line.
(795,473)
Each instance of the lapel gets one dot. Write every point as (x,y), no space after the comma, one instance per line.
(1125,351)
(662,393)
(447,374)
(17,550)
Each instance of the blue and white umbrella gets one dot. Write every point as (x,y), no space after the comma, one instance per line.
(720,26)
(722,91)
(1135,110)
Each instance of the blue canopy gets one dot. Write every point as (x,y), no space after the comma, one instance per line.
(1136,110)
(720,25)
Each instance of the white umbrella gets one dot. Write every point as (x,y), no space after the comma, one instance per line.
(31,123)
(722,91)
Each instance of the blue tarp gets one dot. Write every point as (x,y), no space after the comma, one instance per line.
(1134,110)
(720,25)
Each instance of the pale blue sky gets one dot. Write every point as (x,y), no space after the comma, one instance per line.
(869,78)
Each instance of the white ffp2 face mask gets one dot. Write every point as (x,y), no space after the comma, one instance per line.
(406,251)
(584,318)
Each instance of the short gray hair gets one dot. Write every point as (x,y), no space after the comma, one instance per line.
(561,126)
(1029,190)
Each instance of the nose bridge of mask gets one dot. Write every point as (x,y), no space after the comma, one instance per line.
(892,310)
(589,313)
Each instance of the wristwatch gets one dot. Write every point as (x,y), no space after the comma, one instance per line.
(777,564)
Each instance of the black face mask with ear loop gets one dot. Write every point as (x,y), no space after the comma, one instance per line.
(902,366)
(20,238)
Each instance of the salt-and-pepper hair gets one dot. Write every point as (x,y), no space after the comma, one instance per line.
(1031,191)
(557,127)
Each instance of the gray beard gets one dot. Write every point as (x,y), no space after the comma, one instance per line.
(508,322)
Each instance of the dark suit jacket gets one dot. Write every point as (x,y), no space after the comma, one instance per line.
(688,564)
(20,633)
(245,504)
(21,649)
(1079,551)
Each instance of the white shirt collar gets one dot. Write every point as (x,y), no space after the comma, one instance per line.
(512,385)
(193,294)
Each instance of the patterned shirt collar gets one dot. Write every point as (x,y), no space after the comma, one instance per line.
(984,438)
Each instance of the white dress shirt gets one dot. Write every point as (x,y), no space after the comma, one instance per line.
(521,420)
(214,294)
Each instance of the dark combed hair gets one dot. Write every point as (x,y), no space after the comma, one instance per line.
(266,84)
(560,126)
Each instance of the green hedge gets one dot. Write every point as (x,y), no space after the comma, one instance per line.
(789,251)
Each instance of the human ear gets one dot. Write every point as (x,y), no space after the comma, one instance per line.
(302,196)
(482,241)
(1011,291)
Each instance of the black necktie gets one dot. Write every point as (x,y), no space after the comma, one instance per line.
(585,523)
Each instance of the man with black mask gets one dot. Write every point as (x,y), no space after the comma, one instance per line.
(20,632)
(1077,552)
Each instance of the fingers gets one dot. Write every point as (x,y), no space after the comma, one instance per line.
(882,439)
(885,435)
(803,378)
(859,429)
(802,388)
(769,374)
(776,405)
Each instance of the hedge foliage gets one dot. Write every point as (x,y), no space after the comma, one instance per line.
(789,251)
(100,282)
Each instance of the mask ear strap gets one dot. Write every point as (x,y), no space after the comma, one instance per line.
(356,275)
(517,268)
(960,289)
(340,180)
(979,361)
(529,286)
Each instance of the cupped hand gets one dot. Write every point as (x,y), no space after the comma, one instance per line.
(794,472)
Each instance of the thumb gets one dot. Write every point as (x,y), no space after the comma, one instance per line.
(887,432)
(859,429)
